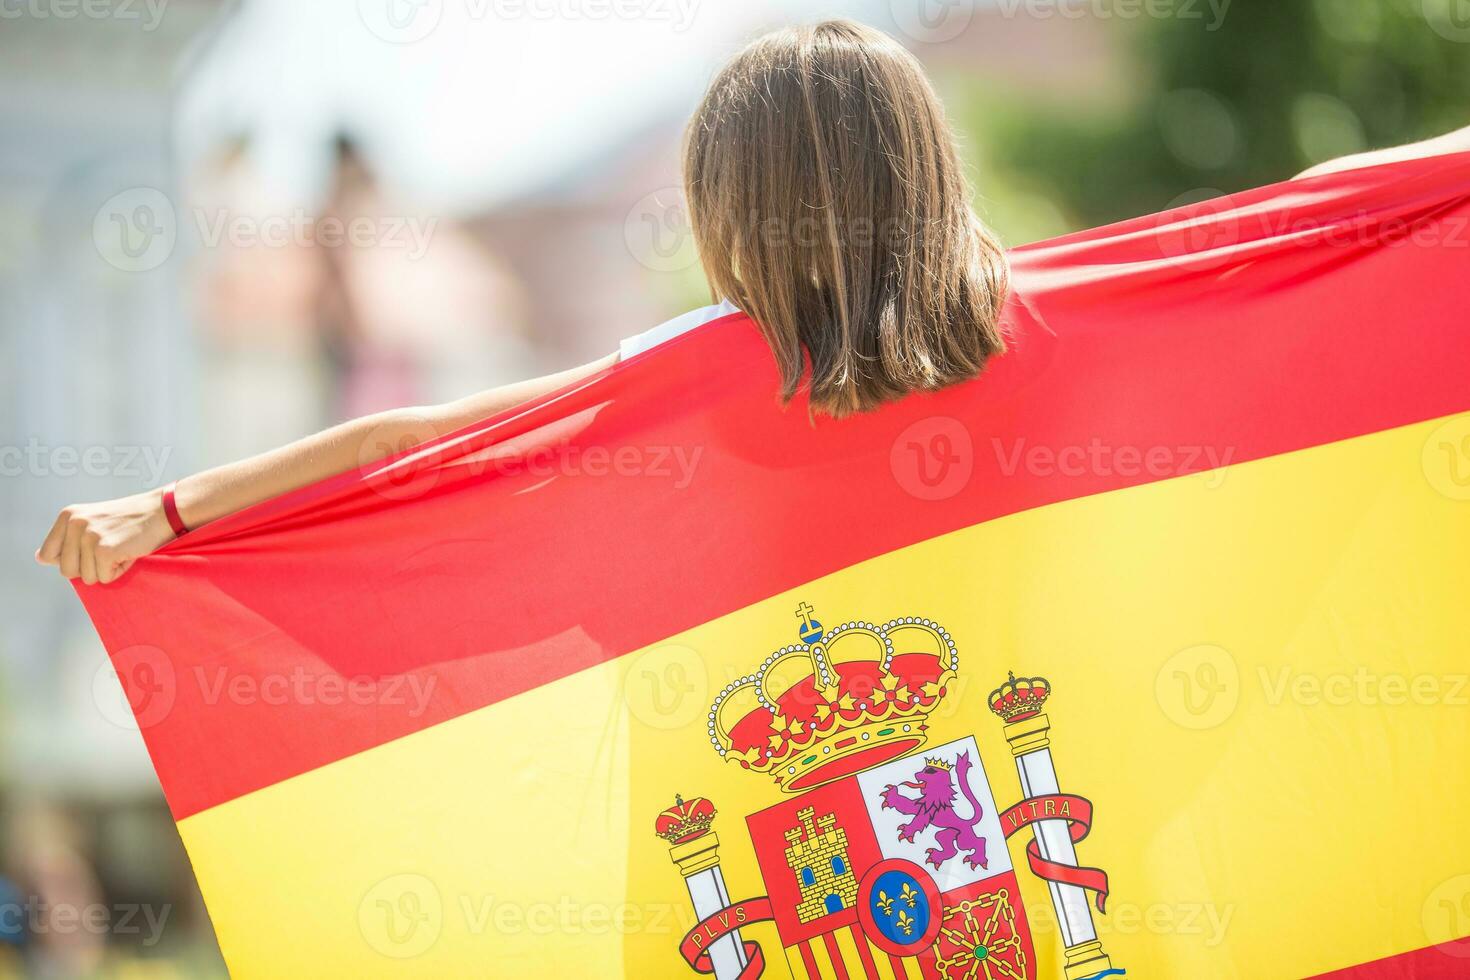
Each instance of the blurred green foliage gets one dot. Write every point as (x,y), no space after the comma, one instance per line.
(1278,86)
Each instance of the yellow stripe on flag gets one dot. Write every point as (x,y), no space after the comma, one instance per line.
(850,958)
(1259,681)
(795,964)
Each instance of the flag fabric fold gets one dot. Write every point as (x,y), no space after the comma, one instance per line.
(653,677)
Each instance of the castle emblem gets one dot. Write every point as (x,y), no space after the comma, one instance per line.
(881,855)
(818,856)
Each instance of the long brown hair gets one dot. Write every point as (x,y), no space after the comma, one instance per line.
(828,203)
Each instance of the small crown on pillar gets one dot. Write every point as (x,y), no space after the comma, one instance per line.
(685,821)
(1019,699)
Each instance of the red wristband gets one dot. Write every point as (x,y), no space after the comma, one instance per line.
(171,511)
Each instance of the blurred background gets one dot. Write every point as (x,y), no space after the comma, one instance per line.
(223,226)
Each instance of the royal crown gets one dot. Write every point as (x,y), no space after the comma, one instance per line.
(838,702)
(685,820)
(1020,698)
(937,764)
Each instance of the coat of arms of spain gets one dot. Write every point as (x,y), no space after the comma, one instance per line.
(887,858)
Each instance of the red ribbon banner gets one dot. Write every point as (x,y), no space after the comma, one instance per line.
(1077,812)
(695,946)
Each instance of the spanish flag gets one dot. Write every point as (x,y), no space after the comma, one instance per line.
(1147,651)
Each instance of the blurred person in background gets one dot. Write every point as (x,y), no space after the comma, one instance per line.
(257,306)
(54,893)
(400,325)
(827,202)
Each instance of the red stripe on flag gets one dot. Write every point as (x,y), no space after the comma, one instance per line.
(461,575)
(829,939)
(870,969)
(809,960)
(1447,961)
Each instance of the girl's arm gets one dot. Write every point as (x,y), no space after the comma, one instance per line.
(98,542)
(1454,142)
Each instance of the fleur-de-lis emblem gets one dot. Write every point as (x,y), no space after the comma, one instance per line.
(910,895)
(905,922)
(885,903)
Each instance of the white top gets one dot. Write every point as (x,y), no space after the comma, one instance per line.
(668,331)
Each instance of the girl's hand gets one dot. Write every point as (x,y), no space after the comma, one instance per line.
(98,542)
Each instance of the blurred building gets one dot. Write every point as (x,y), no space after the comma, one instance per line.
(99,399)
